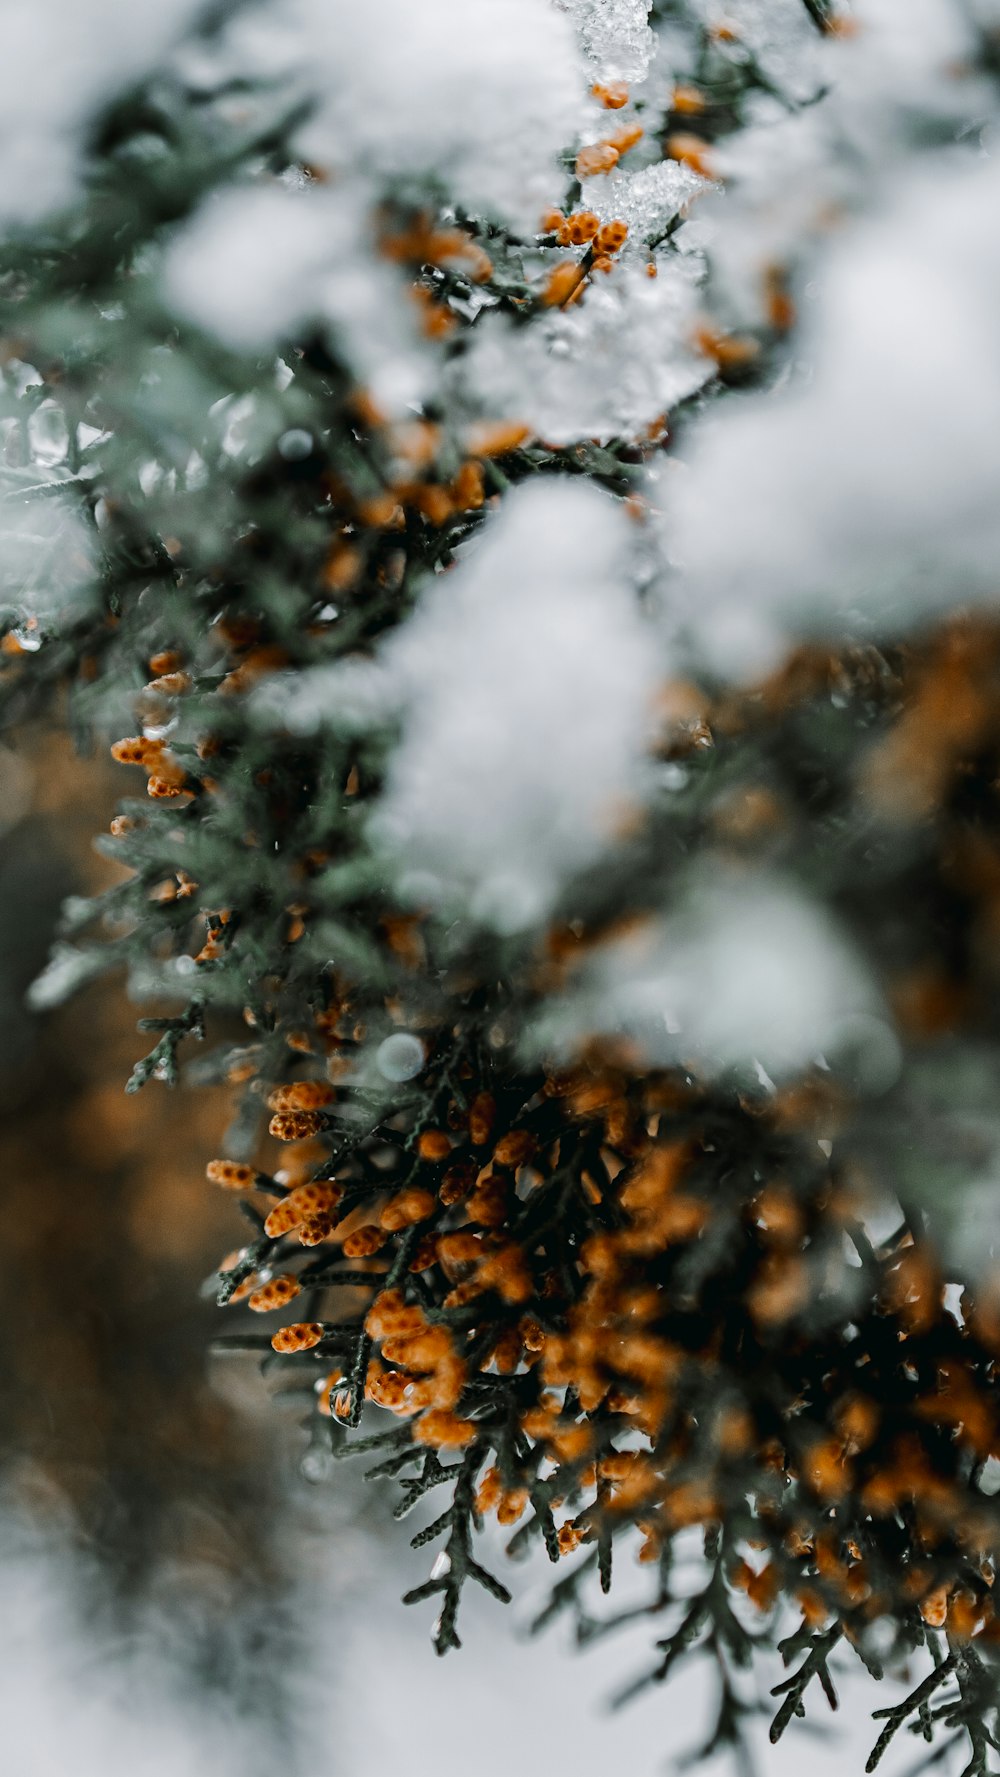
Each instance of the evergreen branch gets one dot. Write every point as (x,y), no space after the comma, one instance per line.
(821,13)
(898,1713)
(161,1062)
(813,1666)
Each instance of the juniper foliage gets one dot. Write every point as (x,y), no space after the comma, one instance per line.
(553,1265)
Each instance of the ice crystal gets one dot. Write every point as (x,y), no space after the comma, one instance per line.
(615,35)
(648,200)
(605,368)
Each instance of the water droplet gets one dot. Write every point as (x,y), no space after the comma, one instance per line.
(673,776)
(316,1466)
(400,1057)
(295,445)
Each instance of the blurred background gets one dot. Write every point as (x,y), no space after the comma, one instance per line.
(177,1597)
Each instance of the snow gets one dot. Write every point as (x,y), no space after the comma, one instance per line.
(889,424)
(526,677)
(76,1696)
(778,36)
(62,61)
(258,262)
(481,98)
(246,267)
(748,970)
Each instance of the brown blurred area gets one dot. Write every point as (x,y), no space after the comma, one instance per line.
(113,1425)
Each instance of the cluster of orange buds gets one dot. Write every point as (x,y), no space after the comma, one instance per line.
(694,152)
(601,157)
(12,641)
(297,912)
(300,1336)
(602,1096)
(299,1163)
(443,1430)
(232,1175)
(761,1585)
(612,236)
(439,501)
(255,664)
(515,1149)
(506,1270)
(345,562)
(434,1145)
(305,1205)
(167,677)
(277,1293)
(778,302)
(687,101)
(178,887)
(458,1181)
(407,1208)
(732,352)
(575,230)
(508,1353)
(296,1125)
(571,1535)
(166,776)
(488,1204)
(566,281)
(495,438)
(508,1503)
(437,319)
(419,242)
(612,94)
(403,931)
(301,1095)
(481,1119)
(215,942)
(330,1023)
(425,1374)
(364,1242)
(413,482)
(962,1612)
(457,1249)
(313,1230)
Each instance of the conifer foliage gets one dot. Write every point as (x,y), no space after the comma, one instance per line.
(515,487)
